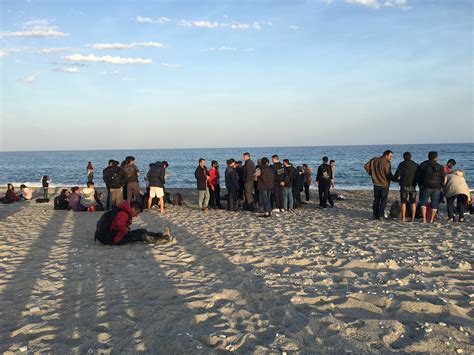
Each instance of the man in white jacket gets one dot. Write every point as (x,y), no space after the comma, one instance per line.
(457,189)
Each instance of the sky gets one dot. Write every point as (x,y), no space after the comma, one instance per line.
(257,73)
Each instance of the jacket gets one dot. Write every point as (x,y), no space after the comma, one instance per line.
(457,185)
(214,177)
(278,172)
(120,225)
(88,197)
(307,176)
(11,196)
(114,177)
(324,174)
(231,179)
(201,175)
(407,173)
(132,173)
(249,171)
(380,170)
(289,176)
(266,180)
(431,175)
(74,201)
(156,175)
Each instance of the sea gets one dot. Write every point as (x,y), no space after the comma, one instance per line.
(68,168)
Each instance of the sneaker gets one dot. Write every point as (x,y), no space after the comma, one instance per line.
(167,233)
(276,210)
(149,239)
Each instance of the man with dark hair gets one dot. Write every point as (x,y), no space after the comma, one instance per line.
(277,193)
(265,184)
(407,177)
(156,179)
(133,188)
(431,181)
(202,178)
(115,179)
(232,185)
(120,227)
(307,179)
(380,170)
(287,185)
(249,180)
(449,166)
(324,179)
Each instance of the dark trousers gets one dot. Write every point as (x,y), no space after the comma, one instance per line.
(215,197)
(324,194)
(306,191)
(277,197)
(296,198)
(461,205)
(248,191)
(380,201)
(137,235)
(232,200)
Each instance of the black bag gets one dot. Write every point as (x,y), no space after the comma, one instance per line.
(177,199)
(395,210)
(102,232)
(42,200)
(60,203)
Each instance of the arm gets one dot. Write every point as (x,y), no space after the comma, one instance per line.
(368,167)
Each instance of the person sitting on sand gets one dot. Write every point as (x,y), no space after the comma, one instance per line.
(90,198)
(61,201)
(457,189)
(120,227)
(26,193)
(75,200)
(10,195)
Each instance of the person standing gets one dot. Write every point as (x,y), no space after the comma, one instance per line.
(457,189)
(214,183)
(156,181)
(45,181)
(298,186)
(202,178)
(287,185)
(307,178)
(431,181)
(232,185)
(90,172)
(277,195)
(133,187)
(324,180)
(332,164)
(380,170)
(115,179)
(265,184)
(249,179)
(407,177)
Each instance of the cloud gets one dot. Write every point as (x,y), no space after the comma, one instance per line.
(91,58)
(376,4)
(122,46)
(68,70)
(167,65)
(112,72)
(6,51)
(293,27)
(221,25)
(39,28)
(29,79)
(53,50)
(229,49)
(159,20)
(402,4)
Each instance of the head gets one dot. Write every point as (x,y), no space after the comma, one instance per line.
(214,164)
(130,160)
(22,186)
(433,156)
(45,177)
(264,161)
(136,208)
(407,156)
(230,162)
(165,164)
(325,160)
(111,162)
(75,189)
(10,187)
(388,154)
(202,162)
(332,163)
(275,159)
(286,162)
(65,192)
(246,156)
(451,163)
(90,184)
(300,169)
(459,173)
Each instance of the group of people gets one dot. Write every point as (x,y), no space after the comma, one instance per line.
(275,187)
(436,183)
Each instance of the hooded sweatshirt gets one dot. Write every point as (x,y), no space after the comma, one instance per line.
(431,175)
(457,185)
(407,173)
(120,225)
(156,175)
(88,197)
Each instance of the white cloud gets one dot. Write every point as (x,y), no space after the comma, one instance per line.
(219,25)
(402,4)
(53,50)
(376,4)
(223,49)
(293,27)
(6,51)
(91,58)
(123,46)
(159,20)
(68,70)
(167,65)
(29,79)
(39,28)
(113,72)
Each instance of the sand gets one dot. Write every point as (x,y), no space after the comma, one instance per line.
(312,281)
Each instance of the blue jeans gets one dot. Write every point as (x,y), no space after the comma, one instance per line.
(287,198)
(428,193)
(265,196)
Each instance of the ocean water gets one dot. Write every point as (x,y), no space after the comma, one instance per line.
(68,168)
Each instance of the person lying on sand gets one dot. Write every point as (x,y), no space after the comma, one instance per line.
(114,227)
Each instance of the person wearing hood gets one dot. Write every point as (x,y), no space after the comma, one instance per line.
(120,227)
(431,180)
(457,189)
(90,198)
(74,202)
(156,180)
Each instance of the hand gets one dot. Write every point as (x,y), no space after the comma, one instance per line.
(282,183)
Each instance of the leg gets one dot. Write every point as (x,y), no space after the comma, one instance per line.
(218,196)
(206,198)
(290,199)
(376,204)
(435,200)
(107,203)
(461,204)
(306,191)
(331,202)
(285,200)
(403,208)
(129,192)
(450,206)
(321,195)
(200,198)
(383,201)
(212,198)
(137,235)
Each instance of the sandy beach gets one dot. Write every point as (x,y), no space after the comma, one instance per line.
(312,281)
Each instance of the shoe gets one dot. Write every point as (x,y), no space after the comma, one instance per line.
(461,220)
(149,239)
(167,233)
(276,210)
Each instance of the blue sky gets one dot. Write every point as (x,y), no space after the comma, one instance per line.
(170,74)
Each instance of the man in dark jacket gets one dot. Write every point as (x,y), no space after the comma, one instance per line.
(202,177)
(115,179)
(265,184)
(133,187)
(289,173)
(431,180)
(407,176)
(249,180)
(156,180)
(277,195)
(380,170)
(324,180)
(232,185)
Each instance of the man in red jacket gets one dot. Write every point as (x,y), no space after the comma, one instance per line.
(120,227)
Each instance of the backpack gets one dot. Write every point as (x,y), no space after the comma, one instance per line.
(395,209)
(102,232)
(177,199)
